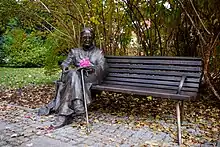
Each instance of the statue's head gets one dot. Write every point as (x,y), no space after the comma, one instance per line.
(87,37)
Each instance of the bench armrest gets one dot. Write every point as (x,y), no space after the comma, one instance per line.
(183,78)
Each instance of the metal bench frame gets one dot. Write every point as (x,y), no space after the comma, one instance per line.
(128,71)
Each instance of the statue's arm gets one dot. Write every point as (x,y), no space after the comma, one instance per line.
(69,60)
(100,62)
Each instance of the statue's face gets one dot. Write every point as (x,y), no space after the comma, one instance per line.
(87,39)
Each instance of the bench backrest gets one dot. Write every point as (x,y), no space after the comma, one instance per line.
(155,72)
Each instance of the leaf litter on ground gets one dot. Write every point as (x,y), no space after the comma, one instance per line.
(201,121)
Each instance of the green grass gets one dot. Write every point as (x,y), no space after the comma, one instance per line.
(19,77)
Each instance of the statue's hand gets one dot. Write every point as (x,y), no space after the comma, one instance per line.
(65,69)
(90,69)
(87,68)
(85,62)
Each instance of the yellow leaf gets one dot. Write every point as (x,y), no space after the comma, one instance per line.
(149,98)
(214,129)
(157,117)
(131,117)
(96,120)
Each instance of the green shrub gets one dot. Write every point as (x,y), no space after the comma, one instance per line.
(24,50)
(54,53)
(30,50)
(2,53)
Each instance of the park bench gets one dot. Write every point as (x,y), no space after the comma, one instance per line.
(175,78)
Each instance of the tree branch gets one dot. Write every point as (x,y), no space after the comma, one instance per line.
(199,17)
(54,34)
(207,54)
(211,86)
(54,27)
(203,40)
(215,40)
(79,13)
(44,6)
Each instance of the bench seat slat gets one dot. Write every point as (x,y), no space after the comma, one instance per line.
(189,93)
(143,91)
(150,86)
(150,72)
(153,77)
(156,67)
(155,82)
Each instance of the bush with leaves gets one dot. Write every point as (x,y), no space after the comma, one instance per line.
(2,53)
(54,53)
(26,50)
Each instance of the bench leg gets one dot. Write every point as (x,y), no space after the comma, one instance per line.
(182,112)
(93,95)
(178,123)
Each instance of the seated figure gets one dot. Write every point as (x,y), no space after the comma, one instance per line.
(69,95)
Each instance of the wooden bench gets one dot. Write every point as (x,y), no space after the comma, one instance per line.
(161,77)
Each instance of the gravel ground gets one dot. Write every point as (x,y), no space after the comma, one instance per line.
(20,126)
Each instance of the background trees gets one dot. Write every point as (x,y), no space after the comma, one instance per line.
(123,27)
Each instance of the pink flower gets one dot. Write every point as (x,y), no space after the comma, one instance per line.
(148,23)
(84,62)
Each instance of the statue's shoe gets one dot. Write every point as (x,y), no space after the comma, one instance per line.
(78,107)
(61,121)
(43,111)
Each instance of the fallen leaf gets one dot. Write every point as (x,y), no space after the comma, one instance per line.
(29,144)
(149,98)
(14,135)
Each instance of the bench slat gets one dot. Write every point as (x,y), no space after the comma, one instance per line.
(157,62)
(153,57)
(150,72)
(156,67)
(145,92)
(149,85)
(155,82)
(153,77)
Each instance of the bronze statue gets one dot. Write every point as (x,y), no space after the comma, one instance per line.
(69,96)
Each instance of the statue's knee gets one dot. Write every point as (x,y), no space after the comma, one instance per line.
(70,73)
(76,73)
(73,73)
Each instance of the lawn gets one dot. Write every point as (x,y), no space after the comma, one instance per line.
(20,77)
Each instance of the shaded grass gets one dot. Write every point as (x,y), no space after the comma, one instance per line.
(20,77)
